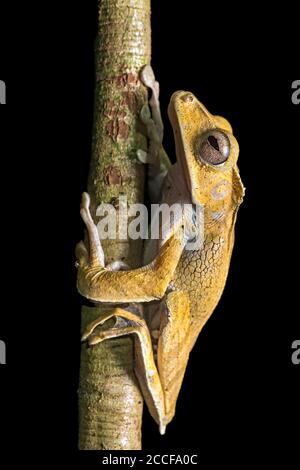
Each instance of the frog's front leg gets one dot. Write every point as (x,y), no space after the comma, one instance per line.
(157,158)
(96,254)
(99,284)
(145,369)
(152,120)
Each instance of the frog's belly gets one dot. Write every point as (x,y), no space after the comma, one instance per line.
(202,274)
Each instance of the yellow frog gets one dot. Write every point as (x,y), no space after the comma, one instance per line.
(178,286)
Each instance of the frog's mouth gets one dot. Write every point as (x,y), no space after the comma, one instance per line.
(179,137)
(188,117)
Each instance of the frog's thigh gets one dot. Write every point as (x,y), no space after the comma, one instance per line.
(145,368)
(173,348)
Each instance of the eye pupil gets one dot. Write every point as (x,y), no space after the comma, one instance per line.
(213,142)
(213,147)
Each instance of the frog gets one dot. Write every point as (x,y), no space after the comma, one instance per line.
(165,303)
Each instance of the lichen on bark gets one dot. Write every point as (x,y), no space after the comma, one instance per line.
(110,402)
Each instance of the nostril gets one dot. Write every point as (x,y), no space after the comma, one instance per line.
(187,98)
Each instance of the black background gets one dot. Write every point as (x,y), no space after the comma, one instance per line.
(239,395)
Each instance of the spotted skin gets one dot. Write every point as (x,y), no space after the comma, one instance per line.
(179,287)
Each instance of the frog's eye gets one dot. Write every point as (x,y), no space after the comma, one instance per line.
(213,147)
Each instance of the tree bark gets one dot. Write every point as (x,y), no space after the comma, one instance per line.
(110,402)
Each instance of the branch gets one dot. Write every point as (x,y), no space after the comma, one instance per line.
(110,402)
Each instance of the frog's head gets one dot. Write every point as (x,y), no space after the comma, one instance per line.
(207,153)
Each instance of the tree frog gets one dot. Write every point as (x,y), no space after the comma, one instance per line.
(179,288)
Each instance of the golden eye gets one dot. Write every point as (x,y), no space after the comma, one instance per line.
(213,147)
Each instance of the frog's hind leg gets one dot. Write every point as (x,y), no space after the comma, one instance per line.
(145,369)
(173,348)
